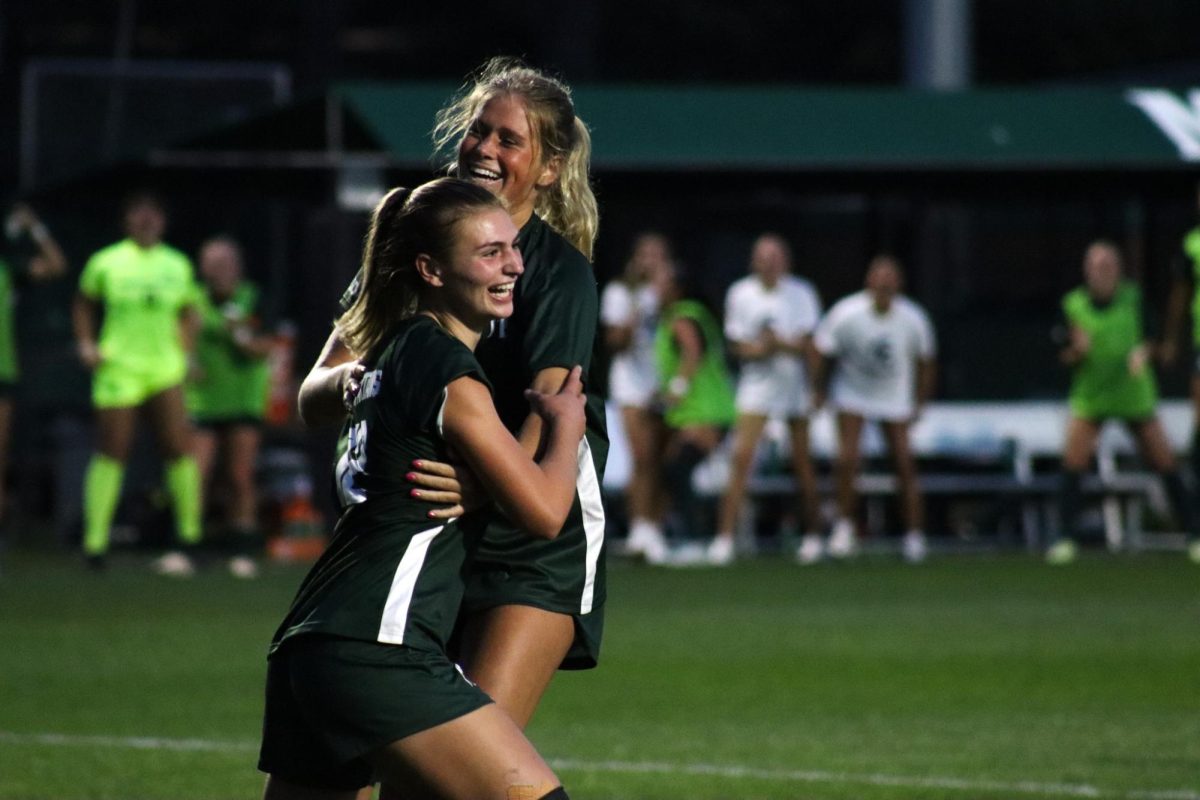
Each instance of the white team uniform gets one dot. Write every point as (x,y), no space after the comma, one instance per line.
(777,385)
(632,377)
(876,355)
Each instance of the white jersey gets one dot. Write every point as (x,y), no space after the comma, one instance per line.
(876,355)
(776,385)
(632,377)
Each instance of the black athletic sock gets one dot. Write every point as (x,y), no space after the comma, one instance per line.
(1182,501)
(1069,493)
(558,794)
(677,475)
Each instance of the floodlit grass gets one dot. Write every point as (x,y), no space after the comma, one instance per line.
(966,678)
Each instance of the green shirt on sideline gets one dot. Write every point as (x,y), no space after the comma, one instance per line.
(230,384)
(8,337)
(709,398)
(1191,251)
(1101,384)
(143,292)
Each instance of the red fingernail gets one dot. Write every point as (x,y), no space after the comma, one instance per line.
(430,515)
(415,493)
(410,476)
(417,464)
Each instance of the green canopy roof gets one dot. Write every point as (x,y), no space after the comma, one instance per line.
(761,128)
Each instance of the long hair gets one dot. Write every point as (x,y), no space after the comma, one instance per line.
(405,223)
(569,206)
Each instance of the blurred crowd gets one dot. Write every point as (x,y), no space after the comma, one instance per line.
(190,353)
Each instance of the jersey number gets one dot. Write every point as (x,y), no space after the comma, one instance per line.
(352,464)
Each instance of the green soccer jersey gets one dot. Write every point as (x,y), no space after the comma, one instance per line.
(8,336)
(143,291)
(555,323)
(231,384)
(1101,384)
(709,399)
(390,574)
(1191,251)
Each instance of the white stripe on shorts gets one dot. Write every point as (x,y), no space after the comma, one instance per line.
(587,484)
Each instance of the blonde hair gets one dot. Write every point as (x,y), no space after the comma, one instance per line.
(405,223)
(569,206)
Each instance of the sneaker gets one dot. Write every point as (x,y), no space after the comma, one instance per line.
(915,548)
(174,564)
(1193,551)
(811,549)
(647,540)
(1064,551)
(843,542)
(243,567)
(720,551)
(687,554)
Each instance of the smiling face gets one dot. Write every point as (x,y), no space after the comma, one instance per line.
(475,280)
(500,152)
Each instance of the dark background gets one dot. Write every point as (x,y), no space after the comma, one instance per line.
(988,253)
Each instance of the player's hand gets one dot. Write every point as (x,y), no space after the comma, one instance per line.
(1166,353)
(451,485)
(770,342)
(1081,343)
(565,407)
(1137,360)
(89,354)
(351,381)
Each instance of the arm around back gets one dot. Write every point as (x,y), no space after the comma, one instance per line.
(537,496)
(321,399)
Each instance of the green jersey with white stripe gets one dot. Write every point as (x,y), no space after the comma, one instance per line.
(555,323)
(390,575)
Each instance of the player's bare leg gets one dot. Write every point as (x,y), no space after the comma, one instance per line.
(644,491)
(512,652)
(843,541)
(747,432)
(809,513)
(912,504)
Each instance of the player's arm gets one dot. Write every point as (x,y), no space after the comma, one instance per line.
(456,487)
(332,381)
(50,261)
(1177,301)
(84,313)
(1077,346)
(926,381)
(537,496)
(754,350)
(687,337)
(618,338)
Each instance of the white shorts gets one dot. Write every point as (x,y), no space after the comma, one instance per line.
(632,383)
(773,392)
(885,409)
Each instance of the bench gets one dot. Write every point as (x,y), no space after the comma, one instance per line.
(1007,451)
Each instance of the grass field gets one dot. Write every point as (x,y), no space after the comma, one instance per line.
(966,678)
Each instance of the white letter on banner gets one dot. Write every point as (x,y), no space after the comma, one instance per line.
(1179,120)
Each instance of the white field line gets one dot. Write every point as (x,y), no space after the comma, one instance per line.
(965,785)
